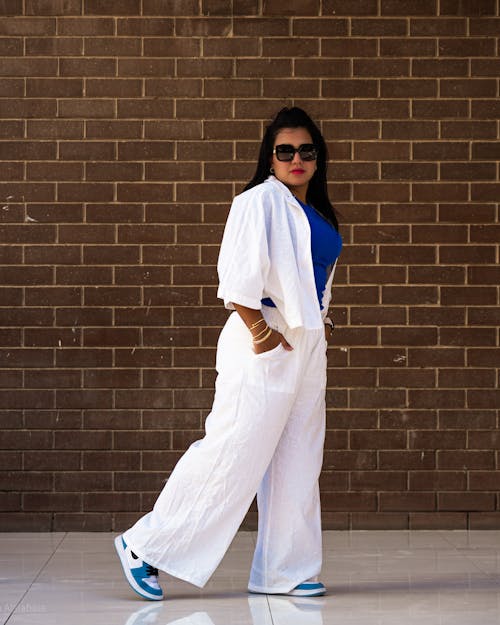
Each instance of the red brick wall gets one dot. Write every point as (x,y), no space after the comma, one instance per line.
(127,127)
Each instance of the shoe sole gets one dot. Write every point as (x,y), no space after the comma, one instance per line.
(306,593)
(128,575)
(293,593)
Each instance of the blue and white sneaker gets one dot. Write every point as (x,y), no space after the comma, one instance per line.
(308,589)
(142,577)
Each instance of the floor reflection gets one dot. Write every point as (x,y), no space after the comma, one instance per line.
(289,611)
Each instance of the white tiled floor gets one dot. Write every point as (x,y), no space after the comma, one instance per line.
(373,578)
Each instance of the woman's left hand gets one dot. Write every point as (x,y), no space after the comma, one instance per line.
(328,332)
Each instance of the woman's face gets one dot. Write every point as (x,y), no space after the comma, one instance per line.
(297,173)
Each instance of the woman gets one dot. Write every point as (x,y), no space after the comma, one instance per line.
(265,432)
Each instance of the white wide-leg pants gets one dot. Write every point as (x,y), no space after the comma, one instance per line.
(264,435)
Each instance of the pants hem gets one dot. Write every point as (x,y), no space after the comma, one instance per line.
(199,583)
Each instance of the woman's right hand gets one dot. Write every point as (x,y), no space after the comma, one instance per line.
(271,342)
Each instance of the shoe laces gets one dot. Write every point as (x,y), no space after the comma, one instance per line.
(151,571)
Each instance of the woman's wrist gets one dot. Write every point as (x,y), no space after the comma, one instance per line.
(262,336)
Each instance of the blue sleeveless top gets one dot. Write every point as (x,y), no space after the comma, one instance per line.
(326,244)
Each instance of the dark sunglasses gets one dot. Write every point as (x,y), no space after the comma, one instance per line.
(286,152)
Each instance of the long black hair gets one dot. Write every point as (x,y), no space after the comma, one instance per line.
(317,192)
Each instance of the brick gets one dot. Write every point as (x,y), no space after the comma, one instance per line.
(357,7)
(206,108)
(302,7)
(142,316)
(71,357)
(377,439)
(326,27)
(406,460)
(425,192)
(409,130)
(484,520)
(143,357)
(115,254)
(483,439)
(46,337)
(468,7)
(407,378)
(346,47)
(318,67)
(172,130)
(123,7)
(170,7)
(381,68)
(361,398)
(378,480)
(409,295)
(435,150)
(27,399)
(54,129)
(483,316)
(406,7)
(148,192)
(444,357)
(467,336)
(347,88)
(484,233)
(87,67)
(436,316)
(83,275)
(466,460)
(438,520)
(468,295)
(484,27)
(444,26)
(83,317)
(205,26)
(11,46)
(466,501)
(467,130)
(469,254)
(102,171)
(106,502)
(381,192)
(262,68)
(145,150)
(54,171)
(482,399)
(204,68)
(431,398)
(11,379)
(437,480)
(436,275)
(407,501)
(472,213)
(379,520)
(486,150)
(347,460)
(407,47)
(484,480)
(13,66)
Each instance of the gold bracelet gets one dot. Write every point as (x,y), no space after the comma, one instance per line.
(254,325)
(256,336)
(268,334)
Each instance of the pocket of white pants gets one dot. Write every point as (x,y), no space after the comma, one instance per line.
(271,352)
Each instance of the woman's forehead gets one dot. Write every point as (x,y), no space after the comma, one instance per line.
(295,136)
